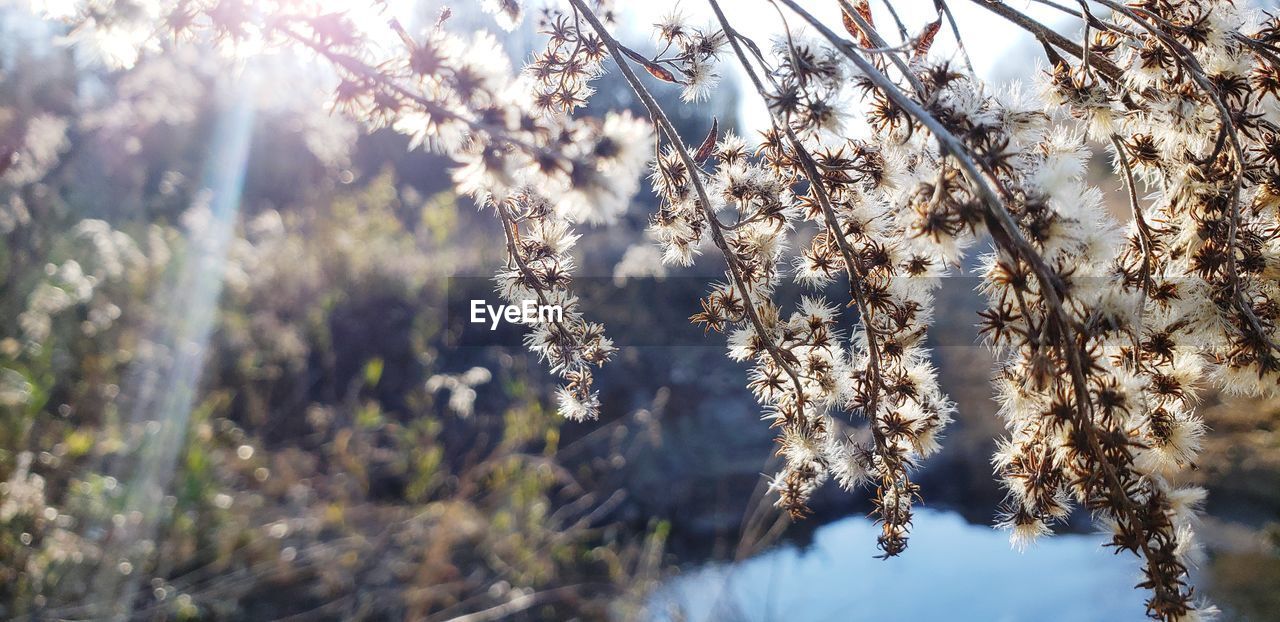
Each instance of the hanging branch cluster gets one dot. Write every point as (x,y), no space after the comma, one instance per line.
(897,161)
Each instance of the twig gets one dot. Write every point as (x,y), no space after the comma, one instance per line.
(655,111)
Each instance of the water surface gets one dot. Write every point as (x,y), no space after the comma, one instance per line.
(953,570)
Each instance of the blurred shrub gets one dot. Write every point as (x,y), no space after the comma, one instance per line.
(338,463)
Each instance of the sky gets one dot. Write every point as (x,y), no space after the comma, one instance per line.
(996,47)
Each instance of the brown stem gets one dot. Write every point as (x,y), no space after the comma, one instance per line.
(1008,236)
(1200,77)
(1049,36)
(660,118)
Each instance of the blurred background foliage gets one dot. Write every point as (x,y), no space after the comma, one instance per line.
(339,461)
(342,459)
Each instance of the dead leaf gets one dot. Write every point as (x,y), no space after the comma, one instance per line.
(654,69)
(659,72)
(925,40)
(851,25)
(709,143)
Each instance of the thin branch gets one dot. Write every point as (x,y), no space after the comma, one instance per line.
(945,10)
(1200,77)
(781,358)
(856,279)
(1050,37)
(1006,232)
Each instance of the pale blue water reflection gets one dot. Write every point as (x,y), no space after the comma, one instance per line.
(953,570)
